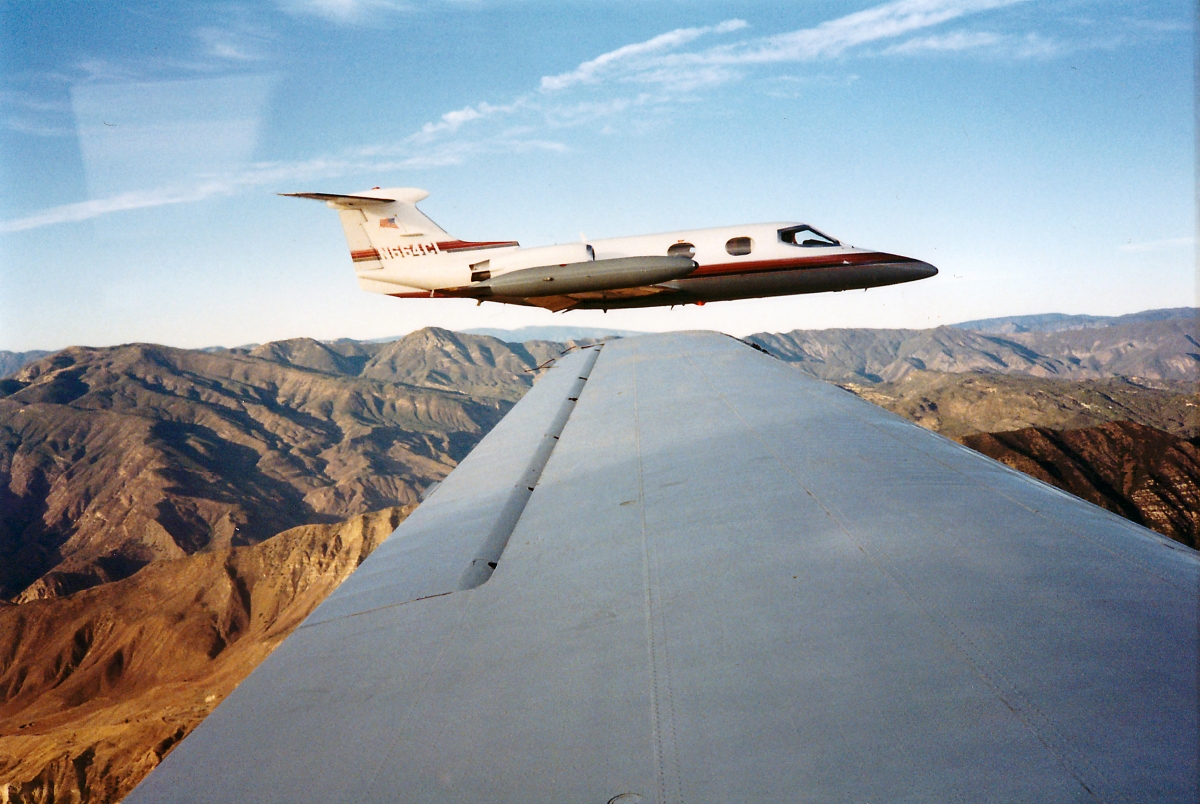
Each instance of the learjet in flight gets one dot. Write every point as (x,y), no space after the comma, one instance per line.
(398,251)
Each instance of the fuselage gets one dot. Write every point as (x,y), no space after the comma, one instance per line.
(737,262)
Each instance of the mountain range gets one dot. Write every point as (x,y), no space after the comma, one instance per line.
(1058,322)
(116,457)
(1166,349)
(868,354)
(168,516)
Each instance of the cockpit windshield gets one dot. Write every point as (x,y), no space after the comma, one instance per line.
(806,236)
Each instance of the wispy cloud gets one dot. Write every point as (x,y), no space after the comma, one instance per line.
(657,61)
(591,71)
(85,210)
(947,43)
(30,114)
(277,174)
(1003,45)
(835,37)
(450,122)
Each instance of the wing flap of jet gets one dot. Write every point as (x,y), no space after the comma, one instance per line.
(450,540)
(733,582)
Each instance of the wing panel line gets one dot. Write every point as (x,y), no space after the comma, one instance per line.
(662,703)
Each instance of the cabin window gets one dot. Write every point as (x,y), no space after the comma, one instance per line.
(682,250)
(807,237)
(737,246)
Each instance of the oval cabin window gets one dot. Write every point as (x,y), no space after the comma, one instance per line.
(737,246)
(682,250)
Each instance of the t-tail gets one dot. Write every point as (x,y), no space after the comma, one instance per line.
(396,249)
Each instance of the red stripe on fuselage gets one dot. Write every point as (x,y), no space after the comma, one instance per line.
(465,245)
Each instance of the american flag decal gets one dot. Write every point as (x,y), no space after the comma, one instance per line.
(388,223)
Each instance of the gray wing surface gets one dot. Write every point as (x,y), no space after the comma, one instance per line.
(730,583)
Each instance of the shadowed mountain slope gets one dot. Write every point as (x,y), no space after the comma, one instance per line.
(97,687)
(1141,473)
(338,358)
(113,458)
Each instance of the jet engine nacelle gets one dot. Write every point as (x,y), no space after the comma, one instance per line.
(585,276)
(535,258)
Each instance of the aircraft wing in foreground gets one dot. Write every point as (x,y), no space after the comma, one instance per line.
(679,570)
(398,251)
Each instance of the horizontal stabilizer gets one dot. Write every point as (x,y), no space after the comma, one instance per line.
(344,200)
(368,198)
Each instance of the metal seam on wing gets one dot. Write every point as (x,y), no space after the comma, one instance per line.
(662,708)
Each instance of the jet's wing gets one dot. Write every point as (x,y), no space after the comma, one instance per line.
(730,583)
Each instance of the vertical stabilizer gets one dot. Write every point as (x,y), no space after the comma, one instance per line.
(383,224)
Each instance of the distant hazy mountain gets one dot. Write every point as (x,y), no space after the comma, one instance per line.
(11,361)
(1058,322)
(1165,349)
(560,334)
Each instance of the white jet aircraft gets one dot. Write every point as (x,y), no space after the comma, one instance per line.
(398,251)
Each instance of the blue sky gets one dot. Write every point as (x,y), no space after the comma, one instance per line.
(1040,154)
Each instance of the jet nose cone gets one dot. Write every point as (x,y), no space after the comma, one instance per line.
(922,270)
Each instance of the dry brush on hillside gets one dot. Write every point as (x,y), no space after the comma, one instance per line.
(96,687)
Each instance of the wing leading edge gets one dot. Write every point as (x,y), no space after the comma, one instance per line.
(733,582)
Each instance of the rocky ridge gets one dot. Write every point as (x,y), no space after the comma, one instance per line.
(97,687)
(114,458)
(10,362)
(1057,322)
